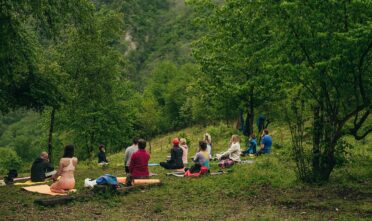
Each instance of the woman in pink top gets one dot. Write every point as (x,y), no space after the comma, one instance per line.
(66,170)
(185,149)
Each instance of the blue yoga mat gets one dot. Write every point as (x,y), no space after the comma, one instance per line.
(153,164)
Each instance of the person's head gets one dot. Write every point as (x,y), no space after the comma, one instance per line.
(202,145)
(253,136)
(135,141)
(101,148)
(266,131)
(69,151)
(183,141)
(44,155)
(175,141)
(235,138)
(141,144)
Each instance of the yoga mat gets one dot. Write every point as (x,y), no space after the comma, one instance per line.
(29,183)
(153,164)
(139,181)
(246,162)
(44,189)
(176,174)
(21,178)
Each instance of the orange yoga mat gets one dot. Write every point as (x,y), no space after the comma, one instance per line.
(139,181)
(44,189)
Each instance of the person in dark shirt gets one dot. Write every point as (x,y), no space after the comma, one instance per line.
(138,167)
(39,167)
(175,161)
(102,155)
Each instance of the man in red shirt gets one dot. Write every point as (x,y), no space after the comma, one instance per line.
(138,167)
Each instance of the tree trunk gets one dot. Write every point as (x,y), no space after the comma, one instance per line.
(250,115)
(51,127)
(150,146)
(317,128)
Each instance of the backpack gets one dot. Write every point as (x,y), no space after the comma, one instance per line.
(107,179)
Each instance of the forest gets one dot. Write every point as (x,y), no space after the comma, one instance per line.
(92,72)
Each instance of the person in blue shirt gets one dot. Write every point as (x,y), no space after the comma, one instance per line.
(252,143)
(266,143)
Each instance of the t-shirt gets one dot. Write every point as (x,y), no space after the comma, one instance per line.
(138,166)
(184,153)
(102,157)
(128,154)
(202,157)
(267,141)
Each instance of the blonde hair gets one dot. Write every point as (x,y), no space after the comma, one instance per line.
(208,136)
(183,141)
(235,138)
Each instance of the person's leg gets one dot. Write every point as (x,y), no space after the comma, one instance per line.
(55,188)
(129,180)
(165,165)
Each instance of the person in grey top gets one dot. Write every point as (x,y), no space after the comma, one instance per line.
(128,154)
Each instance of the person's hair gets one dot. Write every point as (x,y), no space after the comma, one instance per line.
(141,144)
(235,137)
(266,131)
(101,146)
(253,136)
(69,151)
(44,155)
(183,141)
(208,137)
(135,140)
(203,145)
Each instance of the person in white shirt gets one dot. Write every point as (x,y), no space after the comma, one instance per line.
(185,148)
(232,155)
(128,154)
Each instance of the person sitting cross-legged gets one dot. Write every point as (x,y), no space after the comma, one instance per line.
(175,162)
(201,161)
(266,143)
(40,166)
(232,155)
(252,144)
(138,167)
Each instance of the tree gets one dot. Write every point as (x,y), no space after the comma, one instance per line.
(328,52)
(232,56)
(96,87)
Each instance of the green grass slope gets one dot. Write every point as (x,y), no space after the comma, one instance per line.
(265,190)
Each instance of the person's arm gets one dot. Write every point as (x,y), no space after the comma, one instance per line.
(49,167)
(196,158)
(126,157)
(59,171)
(104,157)
(263,143)
(231,149)
(132,163)
(173,155)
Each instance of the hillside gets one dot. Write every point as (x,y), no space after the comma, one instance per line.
(265,190)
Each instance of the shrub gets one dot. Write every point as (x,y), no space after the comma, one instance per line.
(9,160)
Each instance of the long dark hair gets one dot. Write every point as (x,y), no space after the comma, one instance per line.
(69,151)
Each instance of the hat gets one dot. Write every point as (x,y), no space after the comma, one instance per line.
(175,141)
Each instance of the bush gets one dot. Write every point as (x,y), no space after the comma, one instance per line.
(9,160)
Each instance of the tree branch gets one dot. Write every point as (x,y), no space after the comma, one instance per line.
(360,68)
(357,137)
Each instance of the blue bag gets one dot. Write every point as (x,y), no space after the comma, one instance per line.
(107,179)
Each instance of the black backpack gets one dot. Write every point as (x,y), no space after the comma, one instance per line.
(9,179)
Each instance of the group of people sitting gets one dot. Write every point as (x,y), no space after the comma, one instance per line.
(136,160)
(63,178)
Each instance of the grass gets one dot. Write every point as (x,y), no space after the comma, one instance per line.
(266,190)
